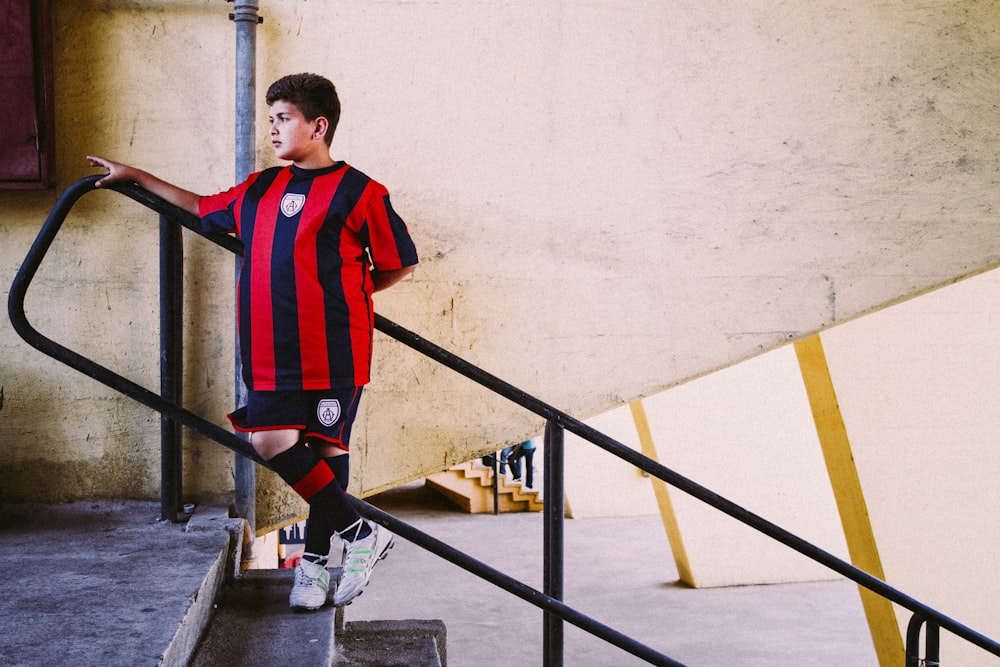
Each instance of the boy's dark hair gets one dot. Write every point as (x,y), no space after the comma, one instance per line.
(312,94)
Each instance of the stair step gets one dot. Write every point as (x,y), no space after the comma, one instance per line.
(253,625)
(470,486)
(408,643)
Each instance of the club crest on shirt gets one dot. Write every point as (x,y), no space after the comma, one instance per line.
(328,411)
(292,203)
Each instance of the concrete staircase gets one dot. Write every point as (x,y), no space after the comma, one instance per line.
(391,644)
(104,583)
(470,486)
(252,624)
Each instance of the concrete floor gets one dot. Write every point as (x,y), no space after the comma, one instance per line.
(100,583)
(618,571)
(106,584)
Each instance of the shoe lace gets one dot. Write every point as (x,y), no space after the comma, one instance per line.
(351,531)
(302,578)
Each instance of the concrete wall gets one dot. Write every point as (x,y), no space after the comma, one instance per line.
(609,199)
(149,83)
(917,386)
(747,434)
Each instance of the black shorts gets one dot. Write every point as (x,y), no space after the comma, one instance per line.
(324,414)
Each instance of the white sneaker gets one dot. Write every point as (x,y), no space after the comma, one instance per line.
(312,583)
(360,557)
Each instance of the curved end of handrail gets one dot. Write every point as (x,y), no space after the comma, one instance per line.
(28,268)
(54,221)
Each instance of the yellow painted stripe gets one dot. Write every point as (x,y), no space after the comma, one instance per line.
(850,499)
(662,493)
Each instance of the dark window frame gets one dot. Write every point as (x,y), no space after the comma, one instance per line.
(23,172)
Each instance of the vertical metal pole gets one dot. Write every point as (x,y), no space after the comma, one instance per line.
(913,640)
(246,19)
(552,631)
(171,366)
(496,483)
(932,638)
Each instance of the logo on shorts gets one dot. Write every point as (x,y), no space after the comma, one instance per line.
(328,411)
(292,203)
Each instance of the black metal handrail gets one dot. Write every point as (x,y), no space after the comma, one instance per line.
(168,408)
(556,420)
(930,616)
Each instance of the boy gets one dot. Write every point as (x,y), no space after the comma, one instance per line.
(320,238)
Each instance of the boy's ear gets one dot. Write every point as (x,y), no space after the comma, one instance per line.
(322,124)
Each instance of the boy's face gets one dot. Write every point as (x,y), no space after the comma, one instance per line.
(294,138)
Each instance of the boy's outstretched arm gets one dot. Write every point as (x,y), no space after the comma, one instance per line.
(123,173)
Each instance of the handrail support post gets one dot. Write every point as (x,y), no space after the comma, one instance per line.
(553,485)
(171,365)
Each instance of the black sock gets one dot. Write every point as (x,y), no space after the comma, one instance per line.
(356,531)
(313,479)
(314,558)
(319,530)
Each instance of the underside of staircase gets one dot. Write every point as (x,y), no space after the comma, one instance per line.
(470,486)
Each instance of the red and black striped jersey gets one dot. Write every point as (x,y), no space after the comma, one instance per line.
(304,298)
